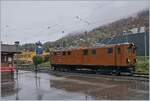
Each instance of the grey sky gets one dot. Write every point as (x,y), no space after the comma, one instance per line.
(31,21)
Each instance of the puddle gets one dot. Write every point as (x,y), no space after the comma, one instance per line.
(43,86)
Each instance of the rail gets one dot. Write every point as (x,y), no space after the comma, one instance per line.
(114,77)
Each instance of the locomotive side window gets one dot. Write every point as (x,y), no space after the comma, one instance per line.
(85,52)
(94,51)
(69,53)
(119,50)
(64,53)
(109,50)
(55,53)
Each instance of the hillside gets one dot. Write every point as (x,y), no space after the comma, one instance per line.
(112,29)
(116,28)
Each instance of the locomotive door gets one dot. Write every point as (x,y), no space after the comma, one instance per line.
(59,59)
(85,59)
(118,56)
(85,56)
(130,52)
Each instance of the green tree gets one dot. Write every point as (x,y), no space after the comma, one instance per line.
(37,60)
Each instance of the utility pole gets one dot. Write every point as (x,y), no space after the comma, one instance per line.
(17,44)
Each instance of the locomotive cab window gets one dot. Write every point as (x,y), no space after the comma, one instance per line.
(129,50)
(94,51)
(134,49)
(109,50)
(85,52)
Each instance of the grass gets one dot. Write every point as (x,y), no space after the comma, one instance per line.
(45,65)
(142,65)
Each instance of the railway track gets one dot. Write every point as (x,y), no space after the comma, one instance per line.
(141,75)
(136,76)
(91,74)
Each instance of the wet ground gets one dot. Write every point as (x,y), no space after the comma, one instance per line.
(45,86)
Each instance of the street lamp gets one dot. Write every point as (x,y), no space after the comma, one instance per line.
(16,44)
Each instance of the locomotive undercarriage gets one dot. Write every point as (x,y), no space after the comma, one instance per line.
(95,68)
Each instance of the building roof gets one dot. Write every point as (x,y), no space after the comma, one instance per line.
(9,48)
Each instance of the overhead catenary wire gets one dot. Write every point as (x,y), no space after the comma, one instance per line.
(49,26)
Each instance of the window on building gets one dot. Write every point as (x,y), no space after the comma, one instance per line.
(5,58)
(2,58)
(85,52)
(109,50)
(94,51)
(9,59)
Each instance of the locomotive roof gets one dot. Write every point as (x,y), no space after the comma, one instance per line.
(110,45)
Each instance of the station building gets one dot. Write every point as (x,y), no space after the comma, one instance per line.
(7,60)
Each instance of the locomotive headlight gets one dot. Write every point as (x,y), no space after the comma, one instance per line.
(129,60)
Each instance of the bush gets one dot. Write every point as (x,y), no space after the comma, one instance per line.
(37,60)
(142,64)
(46,58)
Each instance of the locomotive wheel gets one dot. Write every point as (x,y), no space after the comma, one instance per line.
(54,68)
(131,74)
(73,69)
(96,71)
(57,69)
(115,72)
(61,69)
(118,73)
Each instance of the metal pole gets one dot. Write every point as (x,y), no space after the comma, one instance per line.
(16,60)
(16,44)
(62,44)
(145,46)
(17,97)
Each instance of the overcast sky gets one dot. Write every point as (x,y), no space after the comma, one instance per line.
(31,21)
